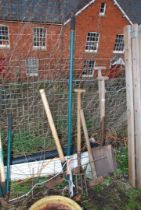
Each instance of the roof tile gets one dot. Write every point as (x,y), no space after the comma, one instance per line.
(57,11)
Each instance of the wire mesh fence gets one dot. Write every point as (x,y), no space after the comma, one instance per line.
(31,131)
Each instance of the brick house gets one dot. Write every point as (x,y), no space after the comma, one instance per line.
(34,36)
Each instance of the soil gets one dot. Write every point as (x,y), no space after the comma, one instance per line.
(118,195)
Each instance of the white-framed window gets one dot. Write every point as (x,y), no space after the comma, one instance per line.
(39,38)
(88,68)
(119,43)
(92,42)
(32,66)
(102,9)
(4,37)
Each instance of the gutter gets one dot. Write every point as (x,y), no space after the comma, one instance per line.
(32,22)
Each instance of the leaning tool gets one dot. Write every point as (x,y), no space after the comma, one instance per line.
(79,93)
(91,159)
(52,126)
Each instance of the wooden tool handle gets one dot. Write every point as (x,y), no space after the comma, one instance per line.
(88,144)
(52,125)
(79,92)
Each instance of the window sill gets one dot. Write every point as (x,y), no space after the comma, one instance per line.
(39,48)
(101,14)
(118,52)
(4,46)
(85,76)
(91,51)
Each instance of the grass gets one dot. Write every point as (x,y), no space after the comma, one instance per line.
(26,144)
(134,199)
(87,205)
(122,159)
(115,192)
(19,188)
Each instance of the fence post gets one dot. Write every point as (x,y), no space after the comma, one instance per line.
(140,47)
(101,89)
(137,101)
(133,74)
(130,105)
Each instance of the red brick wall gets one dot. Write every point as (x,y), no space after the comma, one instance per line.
(54,60)
(21,48)
(108,26)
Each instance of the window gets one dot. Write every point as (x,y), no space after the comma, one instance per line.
(102,9)
(92,41)
(32,66)
(4,37)
(88,68)
(119,43)
(39,38)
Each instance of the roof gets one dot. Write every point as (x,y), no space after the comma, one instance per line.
(51,11)
(132,8)
(57,11)
(44,11)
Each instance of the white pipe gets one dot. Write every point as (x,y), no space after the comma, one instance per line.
(45,167)
(2,172)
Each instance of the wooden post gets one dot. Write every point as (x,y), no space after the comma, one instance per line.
(137,100)
(79,92)
(52,125)
(101,88)
(133,79)
(130,105)
(140,47)
(88,145)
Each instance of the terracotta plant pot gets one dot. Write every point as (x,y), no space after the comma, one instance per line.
(55,203)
